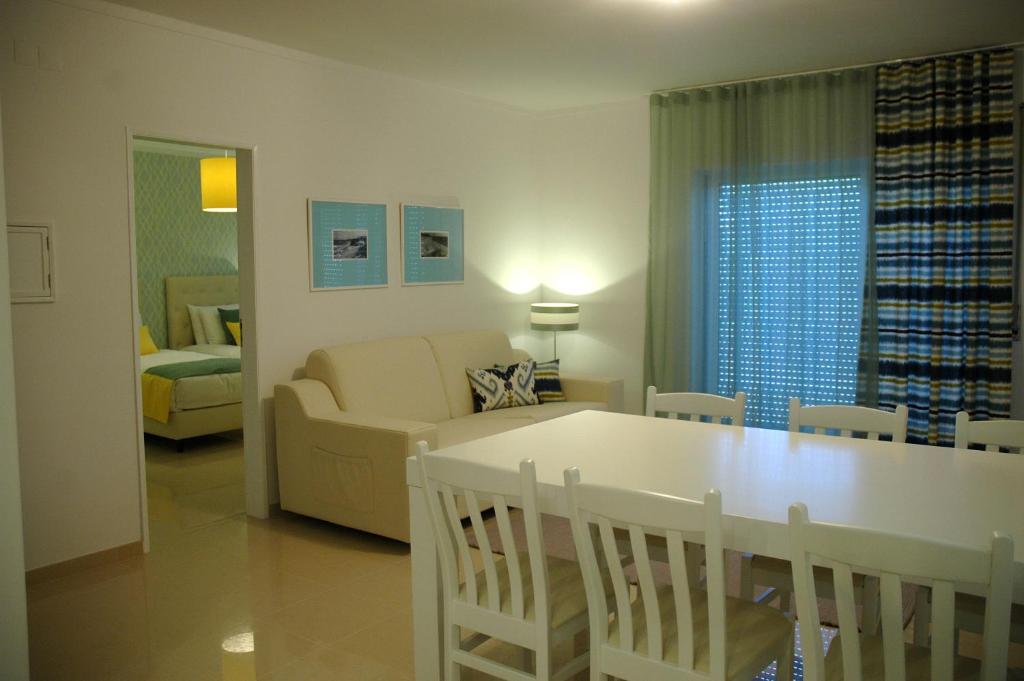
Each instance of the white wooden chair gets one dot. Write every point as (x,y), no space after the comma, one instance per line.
(697,405)
(854,656)
(524,598)
(993,434)
(671,632)
(848,420)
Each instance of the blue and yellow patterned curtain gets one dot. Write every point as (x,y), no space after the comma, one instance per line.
(944,238)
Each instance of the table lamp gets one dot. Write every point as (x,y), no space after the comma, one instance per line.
(555,317)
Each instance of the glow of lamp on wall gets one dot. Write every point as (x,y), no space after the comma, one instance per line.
(555,317)
(218,184)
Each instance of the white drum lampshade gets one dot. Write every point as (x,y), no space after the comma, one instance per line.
(218,184)
(554,317)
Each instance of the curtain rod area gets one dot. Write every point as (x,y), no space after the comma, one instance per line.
(836,69)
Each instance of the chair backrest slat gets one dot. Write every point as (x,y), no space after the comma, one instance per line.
(896,559)
(997,610)
(848,420)
(697,406)
(447,548)
(805,590)
(623,607)
(714,561)
(647,515)
(648,593)
(891,592)
(486,553)
(451,517)
(679,565)
(993,434)
(943,631)
(535,543)
(511,551)
(846,608)
(586,539)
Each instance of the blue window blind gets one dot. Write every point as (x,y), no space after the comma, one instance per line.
(790,291)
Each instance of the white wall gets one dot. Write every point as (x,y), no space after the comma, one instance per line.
(322,130)
(13,623)
(593,169)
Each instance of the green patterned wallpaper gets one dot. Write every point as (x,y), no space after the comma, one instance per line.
(173,236)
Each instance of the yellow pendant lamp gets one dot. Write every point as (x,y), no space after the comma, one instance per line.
(218,185)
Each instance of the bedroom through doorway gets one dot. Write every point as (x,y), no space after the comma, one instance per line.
(189,306)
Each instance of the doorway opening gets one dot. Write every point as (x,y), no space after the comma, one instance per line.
(193,292)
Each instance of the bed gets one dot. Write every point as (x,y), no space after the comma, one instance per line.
(198,404)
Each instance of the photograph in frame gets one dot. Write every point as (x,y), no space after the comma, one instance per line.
(347,245)
(432,245)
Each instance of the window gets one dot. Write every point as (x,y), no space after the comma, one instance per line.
(790,289)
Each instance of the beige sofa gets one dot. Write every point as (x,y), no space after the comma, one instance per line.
(344,431)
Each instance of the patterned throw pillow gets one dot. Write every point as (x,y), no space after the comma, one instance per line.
(503,387)
(549,385)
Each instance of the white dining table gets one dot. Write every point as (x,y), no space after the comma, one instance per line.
(956,496)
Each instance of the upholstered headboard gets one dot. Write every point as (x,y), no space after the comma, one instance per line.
(184,291)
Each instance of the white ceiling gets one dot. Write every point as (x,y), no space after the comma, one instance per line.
(551,54)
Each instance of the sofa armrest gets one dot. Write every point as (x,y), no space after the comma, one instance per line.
(594,389)
(345,467)
(344,432)
(316,404)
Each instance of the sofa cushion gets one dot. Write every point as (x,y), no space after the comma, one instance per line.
(456,352)
(395,377)
(548,383)
(503,387)
(540,412)
(467,428)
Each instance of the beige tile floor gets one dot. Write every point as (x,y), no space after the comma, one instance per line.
(224,597)
(311,600)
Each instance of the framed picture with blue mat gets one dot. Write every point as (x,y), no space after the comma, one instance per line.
(432,245)
(348,245)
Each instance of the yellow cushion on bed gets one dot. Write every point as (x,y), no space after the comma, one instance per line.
(236,331)
(146,341)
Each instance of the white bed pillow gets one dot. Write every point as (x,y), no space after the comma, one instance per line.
(197,324)
(213,327)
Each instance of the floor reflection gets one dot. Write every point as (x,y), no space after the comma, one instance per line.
(222,597)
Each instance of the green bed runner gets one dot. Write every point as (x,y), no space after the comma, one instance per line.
(203,367)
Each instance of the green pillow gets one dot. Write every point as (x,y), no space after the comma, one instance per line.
(229,314)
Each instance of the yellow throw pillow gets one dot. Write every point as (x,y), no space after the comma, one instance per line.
(236,331)
(146,343)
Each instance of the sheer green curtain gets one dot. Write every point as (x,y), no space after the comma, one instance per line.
(759,230)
